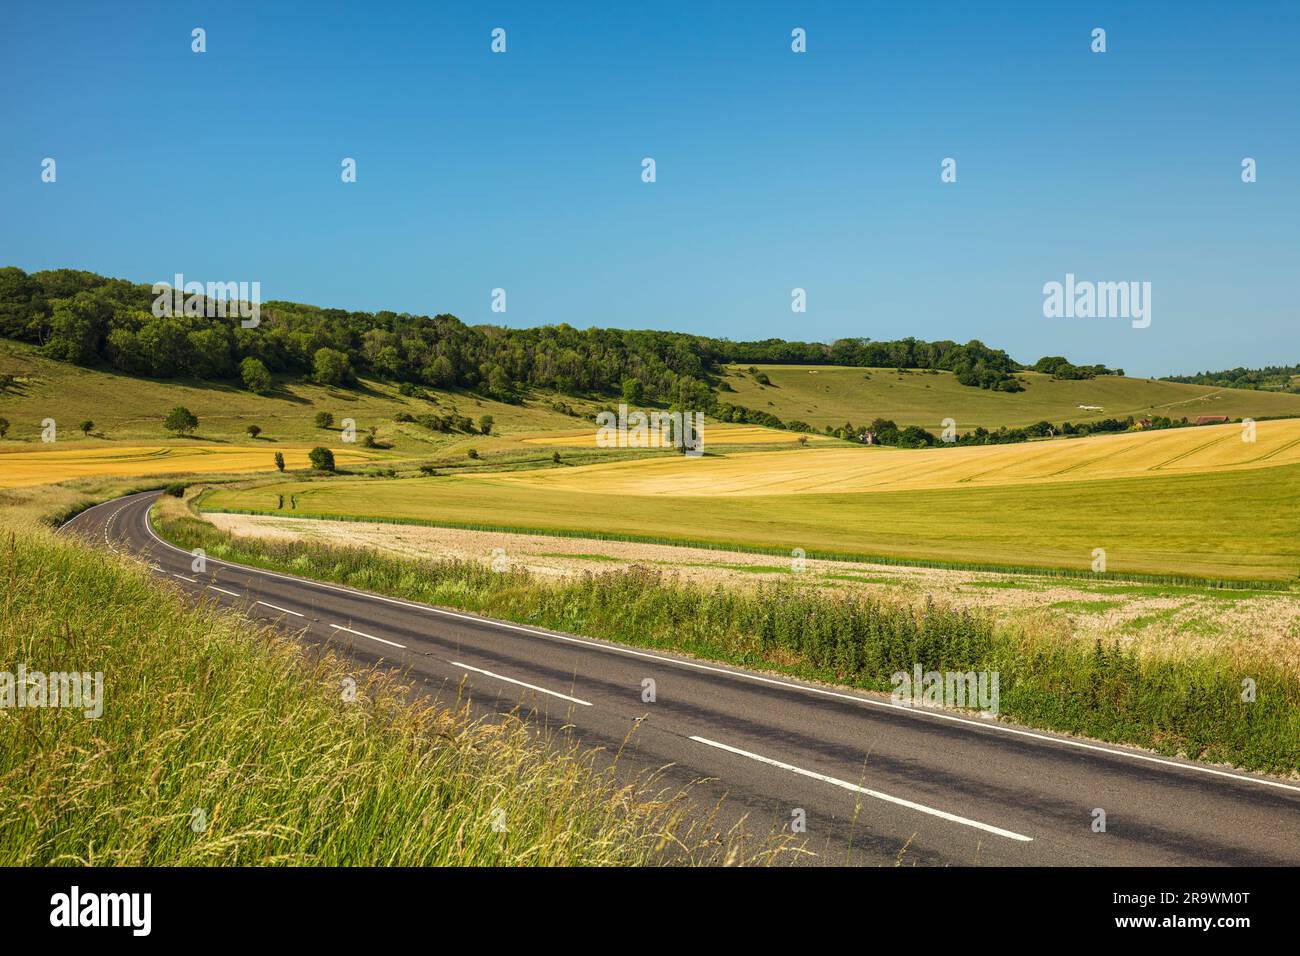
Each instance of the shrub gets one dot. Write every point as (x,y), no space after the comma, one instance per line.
(323,420)
(473,453)
(180,420)
(255,375)
(322,459)
(176,489)
(279,461)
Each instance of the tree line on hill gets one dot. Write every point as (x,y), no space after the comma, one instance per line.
(87,319)
(883,431)
(1282,378)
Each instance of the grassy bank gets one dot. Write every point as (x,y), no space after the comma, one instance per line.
(1187,705)
(221,743)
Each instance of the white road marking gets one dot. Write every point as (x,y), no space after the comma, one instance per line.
(282,610)
(184,578)
(223,590)
(844,784)
(755,678)
(372,637)
(511,680)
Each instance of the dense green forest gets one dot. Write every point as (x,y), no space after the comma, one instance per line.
(1274,377)
(87,319)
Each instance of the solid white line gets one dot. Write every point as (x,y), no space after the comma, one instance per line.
(943,814)
(381,640)
(223,590)
(756,678)
(511,680)
(282,610)
(184,578)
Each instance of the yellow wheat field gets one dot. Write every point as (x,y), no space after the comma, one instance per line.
(714,434)
(848,469)
(24,468)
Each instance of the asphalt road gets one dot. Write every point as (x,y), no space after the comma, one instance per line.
(876,782)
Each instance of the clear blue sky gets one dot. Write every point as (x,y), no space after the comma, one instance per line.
(775,170)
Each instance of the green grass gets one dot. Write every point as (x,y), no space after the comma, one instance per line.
(126,408)
(577,557)
(1226,528)
(205,711)
(829,395)
(1086,607)
(1187,704)
(860,578)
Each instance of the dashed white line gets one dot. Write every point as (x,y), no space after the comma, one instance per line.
(223,590)
(184,578)
(276,607)
(844,784)
(372,637)
(511,680)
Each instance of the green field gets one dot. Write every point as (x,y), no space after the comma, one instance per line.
(831,395)
(129,409)
(1232,526)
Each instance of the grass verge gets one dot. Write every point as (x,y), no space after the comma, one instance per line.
(222,743)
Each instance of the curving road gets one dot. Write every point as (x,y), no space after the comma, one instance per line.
(876,782)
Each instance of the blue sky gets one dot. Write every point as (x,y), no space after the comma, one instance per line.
(775,170)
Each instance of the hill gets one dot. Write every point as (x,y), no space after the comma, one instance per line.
(824,395)
(129,408)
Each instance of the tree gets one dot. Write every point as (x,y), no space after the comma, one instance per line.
(78,328)
(439,373)
(322,459)
(324,419)
(279,461)
(255,375)
(485,424)
(330,367)
(633,391)
(253,431)
(87,427)
(4,427)
(180,420)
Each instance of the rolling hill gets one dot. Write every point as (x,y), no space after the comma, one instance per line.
(830,395)
(127,408)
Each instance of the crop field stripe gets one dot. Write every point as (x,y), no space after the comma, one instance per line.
(1278,450)
(1190,581)
(1190,452)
